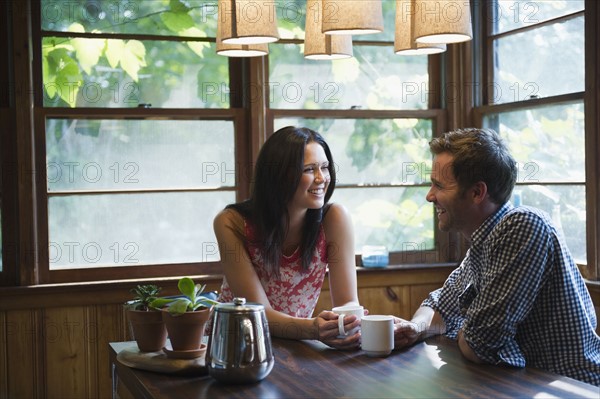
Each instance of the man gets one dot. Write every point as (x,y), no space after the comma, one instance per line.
(517,298)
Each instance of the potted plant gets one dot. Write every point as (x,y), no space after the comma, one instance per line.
(147,325)
(185,316)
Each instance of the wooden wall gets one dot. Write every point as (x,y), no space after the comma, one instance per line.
(53,339)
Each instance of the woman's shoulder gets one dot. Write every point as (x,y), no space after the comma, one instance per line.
(334,210)
(335,215)
(229,218)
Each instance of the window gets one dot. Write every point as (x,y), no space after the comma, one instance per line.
(138,133)
(374,111)
(139,152)
(534,97)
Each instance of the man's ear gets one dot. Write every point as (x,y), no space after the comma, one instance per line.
(479,192)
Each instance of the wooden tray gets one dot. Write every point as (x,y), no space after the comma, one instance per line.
(160,363)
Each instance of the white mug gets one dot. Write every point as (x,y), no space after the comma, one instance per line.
(348,310)
(377,332)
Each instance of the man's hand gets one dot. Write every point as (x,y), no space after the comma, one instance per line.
(406,333)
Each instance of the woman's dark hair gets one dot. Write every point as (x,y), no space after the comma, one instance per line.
(479,155)
(277,173)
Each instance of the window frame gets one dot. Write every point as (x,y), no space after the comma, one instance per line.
(448,247)
(38,261)
(23,262)
(483,65)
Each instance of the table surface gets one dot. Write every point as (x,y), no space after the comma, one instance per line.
(309,369)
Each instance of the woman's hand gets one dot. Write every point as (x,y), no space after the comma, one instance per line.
(326,324)
(406,333)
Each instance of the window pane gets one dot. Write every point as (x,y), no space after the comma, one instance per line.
(156,17)
(566,206)
(558,51)
(547,142)
(126,155)
(133,229)
(80,72)
(399,218)
(511,14)
(374,151)
(369,80)
(291,19)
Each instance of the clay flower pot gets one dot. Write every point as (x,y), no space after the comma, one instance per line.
(186,330)
(148,329)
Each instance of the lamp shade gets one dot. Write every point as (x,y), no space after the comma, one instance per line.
(352,17)
(247,21)
(404,42)
(442,21)
(319,46)
(242,50)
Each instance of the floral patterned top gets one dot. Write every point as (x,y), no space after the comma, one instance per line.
(295,292)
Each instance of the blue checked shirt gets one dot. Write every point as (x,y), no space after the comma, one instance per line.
(520,299)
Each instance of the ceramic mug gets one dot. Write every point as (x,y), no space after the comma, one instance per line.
(347,310)
(377,335)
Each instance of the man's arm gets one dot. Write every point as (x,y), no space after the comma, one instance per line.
(466,350)
(425,323)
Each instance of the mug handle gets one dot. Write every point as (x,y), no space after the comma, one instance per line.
(341,324)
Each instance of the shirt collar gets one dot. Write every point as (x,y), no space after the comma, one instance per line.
(486,227)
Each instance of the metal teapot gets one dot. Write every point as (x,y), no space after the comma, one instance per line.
(239,345)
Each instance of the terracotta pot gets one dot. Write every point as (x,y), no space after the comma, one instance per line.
(186,330)
(148,329)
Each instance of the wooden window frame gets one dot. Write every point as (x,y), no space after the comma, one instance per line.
(483,74)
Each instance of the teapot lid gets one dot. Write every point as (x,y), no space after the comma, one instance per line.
(239,304)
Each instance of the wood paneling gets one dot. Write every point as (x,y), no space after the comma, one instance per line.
(60,350)
(54,339)
(3,355)
(26,365)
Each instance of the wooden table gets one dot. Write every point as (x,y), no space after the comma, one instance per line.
(308,369)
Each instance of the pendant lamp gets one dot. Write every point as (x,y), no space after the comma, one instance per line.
(352,17)
(241,50)
(404,42)
(442,21)
(248,21)
(319,46)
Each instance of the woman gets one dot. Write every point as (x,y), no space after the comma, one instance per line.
(276,246)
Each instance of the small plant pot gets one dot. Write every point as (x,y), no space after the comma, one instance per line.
(186,330)
(148,329)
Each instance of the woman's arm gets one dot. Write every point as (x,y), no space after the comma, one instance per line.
(244,282)
(339,233)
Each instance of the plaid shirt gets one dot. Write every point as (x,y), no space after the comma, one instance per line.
(519,298)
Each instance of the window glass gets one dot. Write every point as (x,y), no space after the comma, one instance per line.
(374,151)
(369,80)
(291,18)
(195,18)
(566,206)
(398,217)
(133,229)
(548,145)
(115,73)
(382,169)
(93,154)
(558,51)
(510,14)
(547,142)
